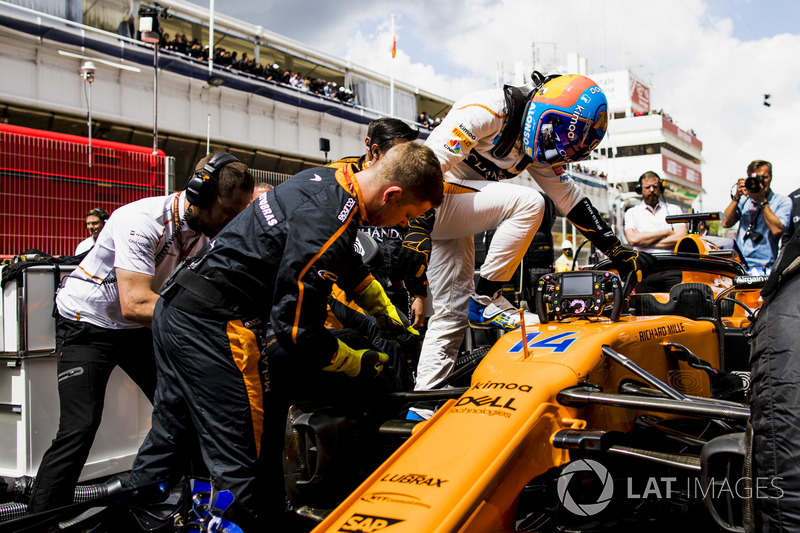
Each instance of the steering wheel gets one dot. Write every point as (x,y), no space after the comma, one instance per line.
(719,266)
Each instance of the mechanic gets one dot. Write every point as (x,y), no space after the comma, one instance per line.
(774,371)
(762,215)
(95,220)
(487,137)
(647,230)
(406,248)
(106,306)
(275,263)
(566,261)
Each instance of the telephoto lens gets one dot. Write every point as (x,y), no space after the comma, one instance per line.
(753,183)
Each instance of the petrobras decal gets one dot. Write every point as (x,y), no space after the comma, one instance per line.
(348,206)
(266,210)
(466,140)
(527,131)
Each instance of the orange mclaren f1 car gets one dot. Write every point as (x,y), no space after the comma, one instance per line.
(613,407)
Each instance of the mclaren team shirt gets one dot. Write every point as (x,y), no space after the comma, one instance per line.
(140,237)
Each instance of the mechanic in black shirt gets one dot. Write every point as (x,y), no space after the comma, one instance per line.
(405,249)
(275,263)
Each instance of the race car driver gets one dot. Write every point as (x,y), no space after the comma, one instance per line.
(274,263)
(488,137)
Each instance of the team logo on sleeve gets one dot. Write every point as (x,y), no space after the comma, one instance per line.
(328,275)
(348,206)
(464,137)
(453,146)
(266,210)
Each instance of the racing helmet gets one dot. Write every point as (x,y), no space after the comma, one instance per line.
(565,120)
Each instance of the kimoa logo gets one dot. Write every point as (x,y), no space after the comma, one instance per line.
(367,523)
(585,509)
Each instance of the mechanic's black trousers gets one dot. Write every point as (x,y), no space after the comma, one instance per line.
(86,356)
(210,388)
(775,373)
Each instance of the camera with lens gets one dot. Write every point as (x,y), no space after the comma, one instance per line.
(754,183)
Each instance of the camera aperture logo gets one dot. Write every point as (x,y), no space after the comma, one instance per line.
(585,509)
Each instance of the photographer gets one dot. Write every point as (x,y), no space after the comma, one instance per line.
(762,214)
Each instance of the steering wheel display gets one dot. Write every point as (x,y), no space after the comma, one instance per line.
(581,293)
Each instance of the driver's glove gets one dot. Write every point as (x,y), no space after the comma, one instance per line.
(393,325)
(355,363)
(627,260)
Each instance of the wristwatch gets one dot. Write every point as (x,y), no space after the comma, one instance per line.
(763,204)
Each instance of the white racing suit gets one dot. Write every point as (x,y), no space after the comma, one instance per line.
(476,200)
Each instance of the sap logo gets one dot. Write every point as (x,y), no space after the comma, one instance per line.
(486,401)
(348,206)
(367,523)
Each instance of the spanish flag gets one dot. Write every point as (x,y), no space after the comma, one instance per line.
(394,46)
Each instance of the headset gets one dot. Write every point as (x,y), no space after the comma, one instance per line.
(662,184)
(202,188)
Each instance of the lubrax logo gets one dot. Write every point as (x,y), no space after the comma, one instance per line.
(414,479)
(367,523)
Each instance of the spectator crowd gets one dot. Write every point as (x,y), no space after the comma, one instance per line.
(271,72)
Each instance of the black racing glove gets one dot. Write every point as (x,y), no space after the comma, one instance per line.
(627,260)
(415,252)
(355,363)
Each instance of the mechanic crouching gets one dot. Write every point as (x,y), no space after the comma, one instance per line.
(276,263)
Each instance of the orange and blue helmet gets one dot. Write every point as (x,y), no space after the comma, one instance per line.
(565,120)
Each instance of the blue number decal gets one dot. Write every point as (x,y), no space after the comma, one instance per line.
(556,343)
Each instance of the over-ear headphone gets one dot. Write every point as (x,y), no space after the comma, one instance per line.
(662,184)
(201,188)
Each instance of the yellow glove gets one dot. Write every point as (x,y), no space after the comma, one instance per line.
(393,325)
(353,363)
